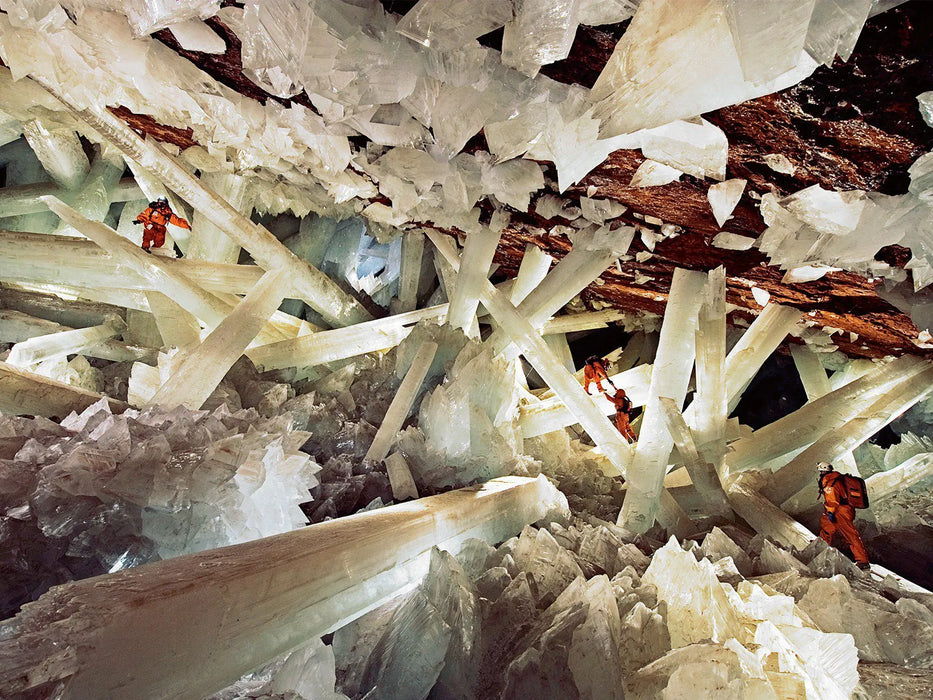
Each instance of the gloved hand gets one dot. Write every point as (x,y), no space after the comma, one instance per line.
(831,516)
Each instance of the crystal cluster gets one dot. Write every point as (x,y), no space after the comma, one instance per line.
(101,492)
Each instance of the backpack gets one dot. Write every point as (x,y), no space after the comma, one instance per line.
(856,492)
(627,405)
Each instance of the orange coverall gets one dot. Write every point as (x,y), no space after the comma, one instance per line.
(839,516)
(623,406)
(154,221)
(595,372)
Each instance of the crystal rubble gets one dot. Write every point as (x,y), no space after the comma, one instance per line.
(535,350)
(314,288)
(102,491)
(402,402)
(203,369)
(263,574)
(669,377)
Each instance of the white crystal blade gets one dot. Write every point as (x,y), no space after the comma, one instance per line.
(402,402)
(477,257)
(669,378)
(228,611)
(724,197)
(202,370)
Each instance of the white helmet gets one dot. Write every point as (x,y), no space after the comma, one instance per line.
(824,466)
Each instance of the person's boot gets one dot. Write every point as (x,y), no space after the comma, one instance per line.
(863,565)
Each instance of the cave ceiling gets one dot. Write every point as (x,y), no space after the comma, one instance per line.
(852,126)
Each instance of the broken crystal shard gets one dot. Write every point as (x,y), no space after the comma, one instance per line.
(723,198)
(664,65)
(768,42)
(669,378)
(59,151)
(925,100)
(202,370)
(732,241)
(654,174)
(698,149)
(539,32)
(194,35)
(835,27)
(443,25)
(403,485)
(402,402)
(329,595)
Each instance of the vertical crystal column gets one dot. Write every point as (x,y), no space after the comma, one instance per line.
(410,276)
(816,384)
(702,473)
(477,257)
(536,351)
(755,346)
(402,402)
(201,371)
(709,408)
(208,241)
(92,198)
(312,285)
(669,378)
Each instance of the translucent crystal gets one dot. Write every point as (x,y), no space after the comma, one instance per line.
(672,368)
(71,342)
(768,43)
(539,33)
(194,35)
(666,63)
(59,151)
(723,198)
(698,149)
(443,25)
(834,28)
(653,174)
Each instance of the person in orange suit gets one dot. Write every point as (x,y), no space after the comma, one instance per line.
(838,515)
(154,219)
(595,371)
(623,410)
